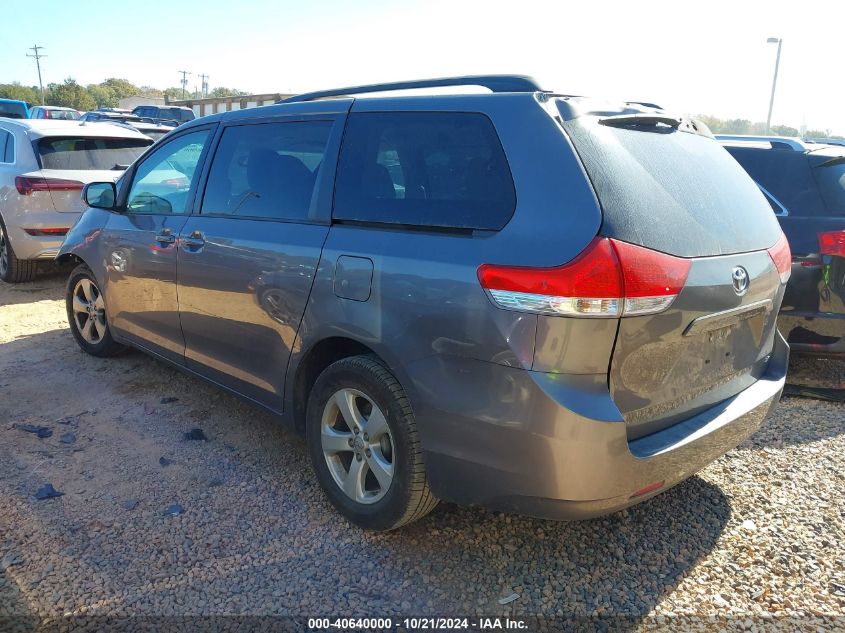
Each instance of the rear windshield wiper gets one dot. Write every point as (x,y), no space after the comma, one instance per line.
(119,167)
(644,118)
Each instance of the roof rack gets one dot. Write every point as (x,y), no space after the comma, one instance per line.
(777,142)
(495,83)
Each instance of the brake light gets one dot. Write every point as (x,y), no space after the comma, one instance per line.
(28,184)
(832,243)
(782,258)
(609,278)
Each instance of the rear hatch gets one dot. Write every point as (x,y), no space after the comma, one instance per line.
(666,188)
(69,163)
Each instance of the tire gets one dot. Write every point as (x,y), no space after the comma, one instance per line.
(364,387)
(12,269)
(90,329)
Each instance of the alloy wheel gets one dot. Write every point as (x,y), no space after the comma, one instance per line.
(89,311)
(357,446)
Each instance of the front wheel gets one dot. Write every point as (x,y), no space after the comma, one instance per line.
(364,445)
(86,313)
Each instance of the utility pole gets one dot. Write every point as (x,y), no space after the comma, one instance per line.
(38,57)
(204,79)
(779,42)
(185,74)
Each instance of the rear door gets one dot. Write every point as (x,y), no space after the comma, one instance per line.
(248,256)
(681,194)
(139,243)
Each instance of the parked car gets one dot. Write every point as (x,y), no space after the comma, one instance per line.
(14,109)
(43,166)
(178,114)
(805,184)
(54,112)
(144,125)
(481,298)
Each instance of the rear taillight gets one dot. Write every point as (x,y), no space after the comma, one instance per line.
(608,279)
(782,258)
(832,243)
(28,184)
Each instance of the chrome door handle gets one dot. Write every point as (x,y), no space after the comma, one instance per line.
(165,238)
(194,240)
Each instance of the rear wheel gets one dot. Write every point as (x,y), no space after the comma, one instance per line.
(364,445)
(86,313)
(12,269)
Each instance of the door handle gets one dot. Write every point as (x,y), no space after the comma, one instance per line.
(165,237)
(194,240)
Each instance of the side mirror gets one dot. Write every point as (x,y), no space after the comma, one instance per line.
(101,195)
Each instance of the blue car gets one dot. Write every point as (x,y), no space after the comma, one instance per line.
(14,109)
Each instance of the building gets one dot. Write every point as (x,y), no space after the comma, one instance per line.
(212,105)
(129,103)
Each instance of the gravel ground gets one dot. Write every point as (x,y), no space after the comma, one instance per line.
(758,532)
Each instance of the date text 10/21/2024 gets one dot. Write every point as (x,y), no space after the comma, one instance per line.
(417,624)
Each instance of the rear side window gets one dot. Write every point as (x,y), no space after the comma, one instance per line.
(89,153)
(428,169)
(12,110)
(7,147)
(786,174)
(267,170)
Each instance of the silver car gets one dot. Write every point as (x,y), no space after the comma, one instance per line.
(43,166)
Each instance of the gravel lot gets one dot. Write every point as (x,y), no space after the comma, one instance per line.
(760,531)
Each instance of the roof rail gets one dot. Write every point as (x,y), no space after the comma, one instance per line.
(777,142)
(495,83)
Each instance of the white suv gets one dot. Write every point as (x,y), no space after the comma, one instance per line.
(43,166)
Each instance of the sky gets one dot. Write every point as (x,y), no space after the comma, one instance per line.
(690,57)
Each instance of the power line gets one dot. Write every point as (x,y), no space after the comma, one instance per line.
(185,74)
(38,57)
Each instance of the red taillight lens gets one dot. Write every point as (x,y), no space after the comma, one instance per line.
(832,243)
(609,278)
(27,184)
(44,232)
(782,258)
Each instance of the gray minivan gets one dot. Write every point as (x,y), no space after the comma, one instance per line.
(539,303)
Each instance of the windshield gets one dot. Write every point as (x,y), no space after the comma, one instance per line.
(63,115)
(831,181)
(89,153)
(12,110)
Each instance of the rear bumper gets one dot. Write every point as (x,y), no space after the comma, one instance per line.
(572,460)
(28,246)
(815,334)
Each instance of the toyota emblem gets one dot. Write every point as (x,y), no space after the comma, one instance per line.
(740,280)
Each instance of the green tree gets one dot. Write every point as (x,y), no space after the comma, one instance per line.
(784,130)
(121,87)
(220,91)
(102,95)
(70,95)
(18,92)
(149,91)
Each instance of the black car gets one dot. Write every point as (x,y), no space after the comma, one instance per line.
(805,184)
(178,114)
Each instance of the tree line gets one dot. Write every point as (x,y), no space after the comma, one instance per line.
(106,94)
(744,126)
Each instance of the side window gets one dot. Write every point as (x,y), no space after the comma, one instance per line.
(163,181)
(785,174)
(7,147)
(266,170)
(438,169)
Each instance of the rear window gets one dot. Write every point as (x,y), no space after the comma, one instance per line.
(424,169)
(831,180)
(89,153)
(12,110)
(62,115)
(672,191)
